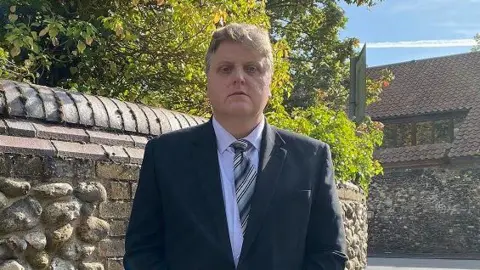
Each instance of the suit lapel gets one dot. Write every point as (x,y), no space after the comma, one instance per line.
(204,155)
(272,156)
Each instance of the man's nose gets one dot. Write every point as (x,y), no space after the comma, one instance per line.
(238,77)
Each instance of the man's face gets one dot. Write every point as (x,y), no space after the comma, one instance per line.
(238,81)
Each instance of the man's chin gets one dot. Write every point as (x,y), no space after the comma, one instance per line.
(240,112)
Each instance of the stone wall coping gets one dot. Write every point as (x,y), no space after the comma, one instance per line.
(60,107)
(64,149)
(350,192)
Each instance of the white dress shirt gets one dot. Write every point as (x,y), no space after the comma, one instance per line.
(225,159)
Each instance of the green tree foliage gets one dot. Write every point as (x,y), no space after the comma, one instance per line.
(311,29)
(352,146)
(152,51)
(476,48)
(319,64)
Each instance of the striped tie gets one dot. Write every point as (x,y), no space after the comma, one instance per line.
(245,175)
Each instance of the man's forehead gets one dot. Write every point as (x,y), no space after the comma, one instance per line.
(237,50)
(240,60)
(233,58)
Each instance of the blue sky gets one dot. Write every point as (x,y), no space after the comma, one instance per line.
(403,30)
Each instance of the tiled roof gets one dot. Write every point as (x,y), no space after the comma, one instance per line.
(412,153)
(467,142)
(35,119)
(433,85)
(429,86)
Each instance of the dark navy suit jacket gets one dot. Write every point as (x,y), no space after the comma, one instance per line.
(178,218)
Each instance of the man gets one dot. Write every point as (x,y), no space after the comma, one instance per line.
(236,192)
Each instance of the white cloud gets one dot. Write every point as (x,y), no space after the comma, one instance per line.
(424,43)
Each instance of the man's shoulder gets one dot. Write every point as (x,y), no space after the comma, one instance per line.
(300,140)
(179,136)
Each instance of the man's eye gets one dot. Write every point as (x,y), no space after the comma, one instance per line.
(225,69)
(252,69)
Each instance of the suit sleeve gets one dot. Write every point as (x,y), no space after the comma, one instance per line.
(144,240)
(326,243)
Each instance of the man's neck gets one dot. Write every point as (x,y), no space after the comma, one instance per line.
(239,127)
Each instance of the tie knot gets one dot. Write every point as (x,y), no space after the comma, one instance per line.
(240,145)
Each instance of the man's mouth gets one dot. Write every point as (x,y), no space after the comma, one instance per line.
(238,94)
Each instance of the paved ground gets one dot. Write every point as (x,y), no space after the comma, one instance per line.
(421,264)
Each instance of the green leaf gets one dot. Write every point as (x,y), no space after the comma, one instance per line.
(17,43)
(35,48)
(113,67)
(53,32)
(29,41)
(73,70)
(10,37)
(81,46)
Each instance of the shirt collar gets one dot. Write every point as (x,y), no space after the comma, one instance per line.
(225,139)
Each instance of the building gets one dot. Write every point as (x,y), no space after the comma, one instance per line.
(428,200)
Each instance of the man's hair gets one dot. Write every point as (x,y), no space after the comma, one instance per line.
(250,35)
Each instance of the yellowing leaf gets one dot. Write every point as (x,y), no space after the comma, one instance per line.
(15,51)
(89,41)
(55,41)
(81,46)
(12,17)
(118,29)
(217,17)
(280,54)
(13,9)
(43,32)
(220,16)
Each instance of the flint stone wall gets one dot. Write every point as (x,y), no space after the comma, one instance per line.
(69,166)
(426,212)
